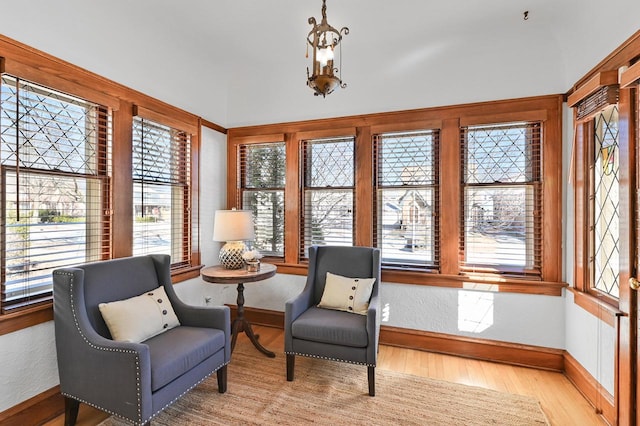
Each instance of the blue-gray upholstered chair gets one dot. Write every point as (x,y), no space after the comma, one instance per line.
(134,381)
(330,334)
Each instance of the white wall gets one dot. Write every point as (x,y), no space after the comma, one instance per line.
(27,364)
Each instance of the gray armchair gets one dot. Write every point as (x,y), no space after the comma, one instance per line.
(332,334)
(134,381)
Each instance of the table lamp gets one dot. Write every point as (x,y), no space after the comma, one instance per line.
(233,227)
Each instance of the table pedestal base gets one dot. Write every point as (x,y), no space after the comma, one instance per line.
(241,324)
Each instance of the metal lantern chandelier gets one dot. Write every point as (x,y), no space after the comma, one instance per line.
(324,39)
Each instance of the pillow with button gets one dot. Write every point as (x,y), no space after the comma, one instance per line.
(139,318)
(347,294)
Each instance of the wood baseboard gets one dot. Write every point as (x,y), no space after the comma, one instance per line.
(257,316)
(50,403)
(488,350)
(599,397)
(35,411)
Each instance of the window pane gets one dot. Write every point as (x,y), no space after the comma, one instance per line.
(499,154)
(606,211)
(154,218)
(328,218)
(329,163)
(161,174)
(56,131)
(52,229)
(268,213)
(407,159)
(498,226)
(264,165)
(406,232)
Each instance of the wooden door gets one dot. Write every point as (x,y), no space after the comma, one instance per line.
(627,377)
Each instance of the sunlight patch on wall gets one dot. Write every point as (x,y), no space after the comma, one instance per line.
(386,310)
(475,311)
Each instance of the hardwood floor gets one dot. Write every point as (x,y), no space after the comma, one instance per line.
(560,400)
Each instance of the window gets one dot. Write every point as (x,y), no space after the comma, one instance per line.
(262,182)
(407,198)
(501,198)
(161,191)
(605,250)
(55,187)
(328,166)
(453,196)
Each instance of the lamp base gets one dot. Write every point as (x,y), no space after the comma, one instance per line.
(231,255)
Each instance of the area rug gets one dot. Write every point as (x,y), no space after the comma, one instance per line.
(333,393)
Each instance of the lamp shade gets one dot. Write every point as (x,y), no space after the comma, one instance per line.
(233,225)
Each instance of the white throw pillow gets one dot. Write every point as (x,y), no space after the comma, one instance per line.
(347,294)
(139,318)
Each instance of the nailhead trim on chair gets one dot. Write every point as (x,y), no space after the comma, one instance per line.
(102,348)
(331,359)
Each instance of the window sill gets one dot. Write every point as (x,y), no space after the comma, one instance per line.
(25,318)
(429,278)
(595,306)
(185,273)
(28,317)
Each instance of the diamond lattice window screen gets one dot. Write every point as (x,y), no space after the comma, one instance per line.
(54,161)
(161,191)
(261,183)
(406,199)
(501,199)
(328,173)
(606,203)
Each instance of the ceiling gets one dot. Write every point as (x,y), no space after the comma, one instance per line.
(242,62)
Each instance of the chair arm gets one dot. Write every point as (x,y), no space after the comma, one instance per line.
(115,376)
(203,316)
(295,306)
(374,316)
(218,317)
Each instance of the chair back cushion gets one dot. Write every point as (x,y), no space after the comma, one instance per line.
(352,262)
(114,280)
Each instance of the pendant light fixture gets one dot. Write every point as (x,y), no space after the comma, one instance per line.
(324,41)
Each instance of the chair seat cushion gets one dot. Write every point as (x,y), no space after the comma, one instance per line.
(178,350)
(329,326)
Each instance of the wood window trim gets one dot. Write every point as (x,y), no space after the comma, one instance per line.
(547,109)
(41,68)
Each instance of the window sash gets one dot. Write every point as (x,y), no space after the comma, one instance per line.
(407,199)
(161,196)
(501,229)
(55,168)
(605,235)
(328,194)
(261,186)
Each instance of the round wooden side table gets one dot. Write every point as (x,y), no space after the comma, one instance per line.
(219,275)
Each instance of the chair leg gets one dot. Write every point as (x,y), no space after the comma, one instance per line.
(71,407)
(371,374)
(291,364)
(222,379)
